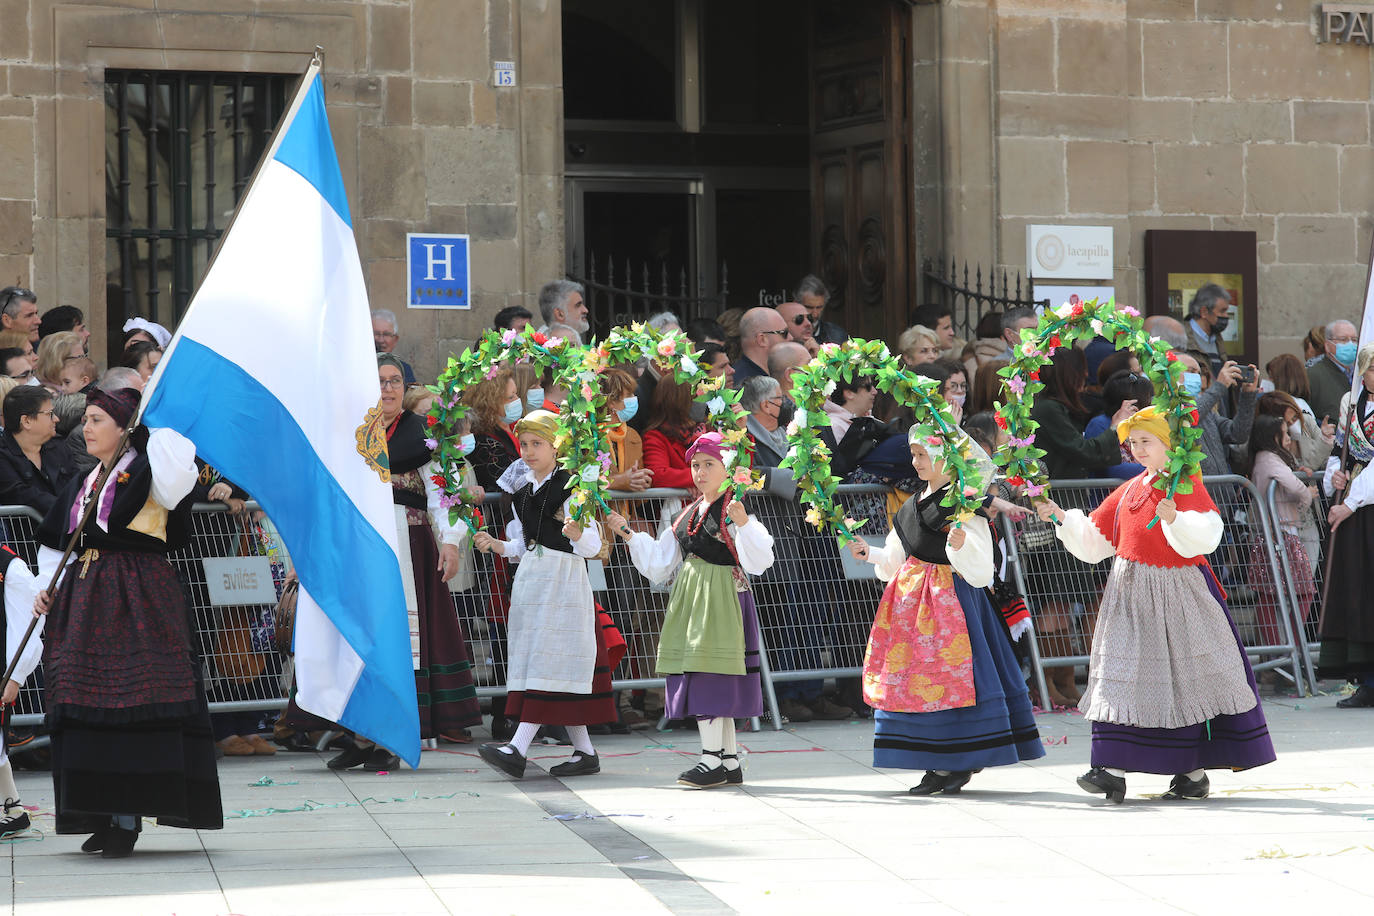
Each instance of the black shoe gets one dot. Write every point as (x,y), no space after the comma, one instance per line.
(1099,782)
(350,757)
(294,742)
(579,765)
(119,843)
(511,762)
(96,841)
(381,759)
(10,824)
(934,783)
(703,777)
(1181,787)
(502,729)
(734,777)
(1362,698)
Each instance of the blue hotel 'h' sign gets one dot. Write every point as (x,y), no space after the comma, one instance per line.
(437,272)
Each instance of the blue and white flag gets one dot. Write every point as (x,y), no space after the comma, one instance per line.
(273,375)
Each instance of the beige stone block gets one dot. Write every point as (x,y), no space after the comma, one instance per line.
(1267,252)
(1142,222)
(1025,54)
(1092,57)
(31,81)
(495,266)
(1132,61)
(1171,10)
(1168,120)
(1140,177)
(1092,117)
(1184,59)
(448,39)
(386,285)
(1292,179)
(1031,177)
(1316,239)
(1067,9)
(14,34)
(1357,179)
(383,239)
(967,29)
(492,221)
(389,38)
(541,43)
(1265,10)
(542,134)
(1261,225)
(492,107)
(17,270)
(1289,292)
(396,99)
(398,189)
(1331,122)
(448,219)
(344,127)
(1241,122)
(16,227)
(442,104)
(16,158)
(16,107)
(500,29)
(470,165)
(1200,179)
(1098,177)
(542,229)
(1269,61)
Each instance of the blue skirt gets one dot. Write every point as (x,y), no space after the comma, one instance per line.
(998,730)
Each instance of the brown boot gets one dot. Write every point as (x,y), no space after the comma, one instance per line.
(1068,688)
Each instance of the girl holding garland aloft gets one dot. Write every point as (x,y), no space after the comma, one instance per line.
(1170,690)
(948,694)
(558,663)
(709,648)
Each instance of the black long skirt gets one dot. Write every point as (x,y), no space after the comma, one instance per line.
(126,701)
(1347,621)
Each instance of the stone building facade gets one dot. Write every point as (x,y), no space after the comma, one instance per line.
(1137,114)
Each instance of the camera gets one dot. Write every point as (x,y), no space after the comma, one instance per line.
(1247,375)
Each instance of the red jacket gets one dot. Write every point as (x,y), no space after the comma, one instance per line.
(667,458)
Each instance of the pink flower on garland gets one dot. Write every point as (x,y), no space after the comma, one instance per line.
(667,347)
(431,444)
(742,476)
(1021,443)
(1017,384)
(1034,489)
(508,338)
(1134,313)
(934,440)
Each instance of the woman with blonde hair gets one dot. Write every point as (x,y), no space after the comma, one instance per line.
(18,340)
(53,353)
(918,345)
(493,407)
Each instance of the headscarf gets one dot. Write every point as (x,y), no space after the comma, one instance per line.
(386,359)
(542,423)
(120,404)
(155,330)
(924,433)
(711,444)
(1148,420)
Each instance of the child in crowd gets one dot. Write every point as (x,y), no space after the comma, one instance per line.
(940,672)
(1170,689)
(558,668)
(709,648)
(1272,456)
(77,375)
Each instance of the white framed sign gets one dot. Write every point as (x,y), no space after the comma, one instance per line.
(1069,252)
(239,580)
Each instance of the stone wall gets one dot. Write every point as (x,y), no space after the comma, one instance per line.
(1170,114)
(425,141)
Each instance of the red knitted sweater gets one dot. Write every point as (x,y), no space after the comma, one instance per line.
(1123,516)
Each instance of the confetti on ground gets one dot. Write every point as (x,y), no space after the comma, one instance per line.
(267,781)
(1279,853)
(311,805)
(587,816)
(1054,740)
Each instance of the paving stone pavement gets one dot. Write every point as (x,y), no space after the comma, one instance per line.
(815,830)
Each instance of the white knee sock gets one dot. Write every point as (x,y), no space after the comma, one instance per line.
(712,740)
(1119,774)
(524,736)
(8,790)
(581,740)
(1195,775)
(729,744)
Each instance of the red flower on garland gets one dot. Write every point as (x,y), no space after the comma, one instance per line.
(439,480)
(1194,416)
(540,338)
(1016,480)
(1077,311)
(431,420)
(1171,356)
(1001,421)
(1035,374)
(1055,342)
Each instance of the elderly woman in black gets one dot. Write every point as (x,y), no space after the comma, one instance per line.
(34,465)
(125,702)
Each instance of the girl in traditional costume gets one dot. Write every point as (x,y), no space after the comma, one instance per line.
(559,668)
(1170,690)
(709,647)
(125,700)
(940,671)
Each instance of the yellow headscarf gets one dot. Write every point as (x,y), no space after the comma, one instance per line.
(542,423)
(1149,420)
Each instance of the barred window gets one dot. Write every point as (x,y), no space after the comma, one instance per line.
(179,151)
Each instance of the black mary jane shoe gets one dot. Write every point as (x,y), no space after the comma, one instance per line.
(295,741)
(703,777)
(119,843)
(1362,698)
(578,765)
(511,762)
(1099,782)
(1182,788)
(934,783)
(734,777)
(381,760)
(96,841)
(350,757)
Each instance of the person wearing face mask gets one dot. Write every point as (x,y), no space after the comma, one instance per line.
(1219,432)
(1208,317)
(1331,377)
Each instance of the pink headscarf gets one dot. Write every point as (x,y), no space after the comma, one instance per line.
(707,444)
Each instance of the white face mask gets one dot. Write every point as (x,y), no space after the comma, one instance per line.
(1295,429)
(956,399)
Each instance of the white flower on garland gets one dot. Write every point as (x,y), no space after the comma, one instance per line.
(590,472)
(727,456)
(688,365)
(1064,311)
(716,404)
(829,388)
(799,419)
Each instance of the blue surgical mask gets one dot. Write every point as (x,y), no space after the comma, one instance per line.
(466,443)
(1346,353)
(514,410)
(629,410)
(1192,383)
(535,398)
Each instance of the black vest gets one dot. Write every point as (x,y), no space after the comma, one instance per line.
(406,451)
(922,525)
(130,497)
(707,541)
(538,512)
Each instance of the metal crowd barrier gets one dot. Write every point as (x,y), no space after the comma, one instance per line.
(1314,534)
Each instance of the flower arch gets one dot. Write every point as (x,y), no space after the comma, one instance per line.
(1122,326)
(809,457)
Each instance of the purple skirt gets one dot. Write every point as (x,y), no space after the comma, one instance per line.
(699,695)
(1227,742)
